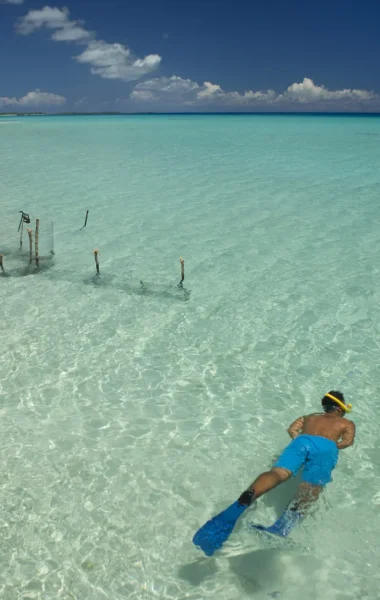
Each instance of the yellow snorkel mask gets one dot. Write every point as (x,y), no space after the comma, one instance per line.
(346,407)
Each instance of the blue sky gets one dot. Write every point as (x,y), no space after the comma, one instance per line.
(177,55)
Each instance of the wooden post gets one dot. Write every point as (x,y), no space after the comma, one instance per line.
(30,234)
(85,223)
(182,270)
(96,255)
(24,219)
(1,263)
(21,230)
(36,242)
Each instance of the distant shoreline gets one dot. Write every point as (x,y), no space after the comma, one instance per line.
(163,114)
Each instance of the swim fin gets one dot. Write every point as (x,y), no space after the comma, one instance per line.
(283,525)
(212,535)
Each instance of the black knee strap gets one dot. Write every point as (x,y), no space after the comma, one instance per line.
(247,497)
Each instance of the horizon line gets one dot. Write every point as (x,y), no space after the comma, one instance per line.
(188,113)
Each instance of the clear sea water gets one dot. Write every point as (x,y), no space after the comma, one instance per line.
(131,413)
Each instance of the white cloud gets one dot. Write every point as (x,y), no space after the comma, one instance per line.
(11,1)
(168,85)
(34,99)
(115,61)
(109,61)
(172,89)
(248,97)
(210,90)
(309,92)
(142,96)
(178,91)
(50,17)
(74,33)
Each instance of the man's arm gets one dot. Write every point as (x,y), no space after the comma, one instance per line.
(296,427)
(348,436)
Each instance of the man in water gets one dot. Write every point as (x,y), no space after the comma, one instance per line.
(316,441)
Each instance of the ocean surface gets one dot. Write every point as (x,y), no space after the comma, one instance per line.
(131,409)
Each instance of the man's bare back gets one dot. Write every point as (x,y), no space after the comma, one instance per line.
(328,425)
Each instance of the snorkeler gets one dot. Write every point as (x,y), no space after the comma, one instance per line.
(317,438)
(316,441)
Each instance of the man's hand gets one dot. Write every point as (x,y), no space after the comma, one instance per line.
(348,436)
(296,427)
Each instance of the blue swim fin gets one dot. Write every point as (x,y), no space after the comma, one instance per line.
(212,535)
(283,525)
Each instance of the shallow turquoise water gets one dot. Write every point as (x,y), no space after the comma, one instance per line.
(131,413)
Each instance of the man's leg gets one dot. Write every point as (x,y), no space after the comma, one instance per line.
(289,462)
(307,495)
(215,532)
(268,480)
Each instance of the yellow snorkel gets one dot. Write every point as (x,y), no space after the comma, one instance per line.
(346,407)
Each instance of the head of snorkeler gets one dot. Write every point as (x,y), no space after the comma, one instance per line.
(333,403)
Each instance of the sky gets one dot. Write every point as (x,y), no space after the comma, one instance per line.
(190,56)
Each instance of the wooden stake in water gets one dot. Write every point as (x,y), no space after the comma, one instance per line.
(182,271)
(21,230)
(85,222)
(30,234)
(24,219)
(36,242)
(1,263)
(96,255)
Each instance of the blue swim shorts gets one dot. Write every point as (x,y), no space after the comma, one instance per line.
(316,454)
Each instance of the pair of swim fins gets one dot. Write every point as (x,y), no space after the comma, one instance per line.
(212,535)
